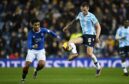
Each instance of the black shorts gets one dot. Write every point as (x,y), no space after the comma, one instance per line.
(88,40)
(124,50)
(127,50)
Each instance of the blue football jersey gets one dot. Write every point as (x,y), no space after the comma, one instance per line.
(38,38)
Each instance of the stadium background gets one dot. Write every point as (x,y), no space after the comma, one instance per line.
(15,16)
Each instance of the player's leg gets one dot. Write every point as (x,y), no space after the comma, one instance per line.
(71,44)
(40,66)
(25,70)
(89,41)
(123,55)
(41,62)
(30,57)
(91,54)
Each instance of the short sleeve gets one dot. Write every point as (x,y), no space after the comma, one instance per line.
(45,30)
(94,19)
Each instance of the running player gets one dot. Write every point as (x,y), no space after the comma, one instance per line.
(122,35)
(36,39)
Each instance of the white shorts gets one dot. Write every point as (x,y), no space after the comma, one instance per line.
(38,54)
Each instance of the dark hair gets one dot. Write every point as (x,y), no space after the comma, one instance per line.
(85,4)
(34,20)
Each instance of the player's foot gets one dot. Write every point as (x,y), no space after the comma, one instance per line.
(98,72)
(22,81)
(72,56)
(126,74)
(35,74)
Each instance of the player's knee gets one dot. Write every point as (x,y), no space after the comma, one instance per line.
(89,54)
(27,64)
(25,69)
(41,64)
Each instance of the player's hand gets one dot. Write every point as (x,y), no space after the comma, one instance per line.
(35,46)
(97,40)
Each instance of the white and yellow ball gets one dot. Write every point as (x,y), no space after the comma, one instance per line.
(66,47)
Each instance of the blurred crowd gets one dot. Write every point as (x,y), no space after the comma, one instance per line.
(15,16)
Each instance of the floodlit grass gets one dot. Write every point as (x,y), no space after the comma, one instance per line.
(64,76)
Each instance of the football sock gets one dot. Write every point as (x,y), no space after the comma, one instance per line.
(95,61)
(124,67)
(74,50)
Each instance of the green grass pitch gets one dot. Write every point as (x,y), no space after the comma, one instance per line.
(64,76)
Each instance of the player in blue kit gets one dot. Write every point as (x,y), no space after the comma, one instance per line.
(122,35)
(36,39)
(91,31)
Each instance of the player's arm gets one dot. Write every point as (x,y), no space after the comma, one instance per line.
(97,28)
(98,31)
(52,33)
(117,37)
(69,25)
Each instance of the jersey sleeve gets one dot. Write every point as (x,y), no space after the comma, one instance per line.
(50,32)
(94,19)
(29,40)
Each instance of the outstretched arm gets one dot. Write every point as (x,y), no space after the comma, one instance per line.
(52,33)
(69,25)
(117,37)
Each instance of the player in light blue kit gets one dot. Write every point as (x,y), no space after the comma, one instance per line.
(36,39)
(122,35)
(91,31)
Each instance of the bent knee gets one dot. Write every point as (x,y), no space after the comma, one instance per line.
(27,64)
(41,63)
(89,54)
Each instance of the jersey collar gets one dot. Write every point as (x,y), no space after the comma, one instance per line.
(86,15)
(37,32)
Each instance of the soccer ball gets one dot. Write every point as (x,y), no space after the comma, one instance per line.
(66,47)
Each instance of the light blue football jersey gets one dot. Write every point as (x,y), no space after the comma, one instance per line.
(123,32)
(87,23)
(127,36)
